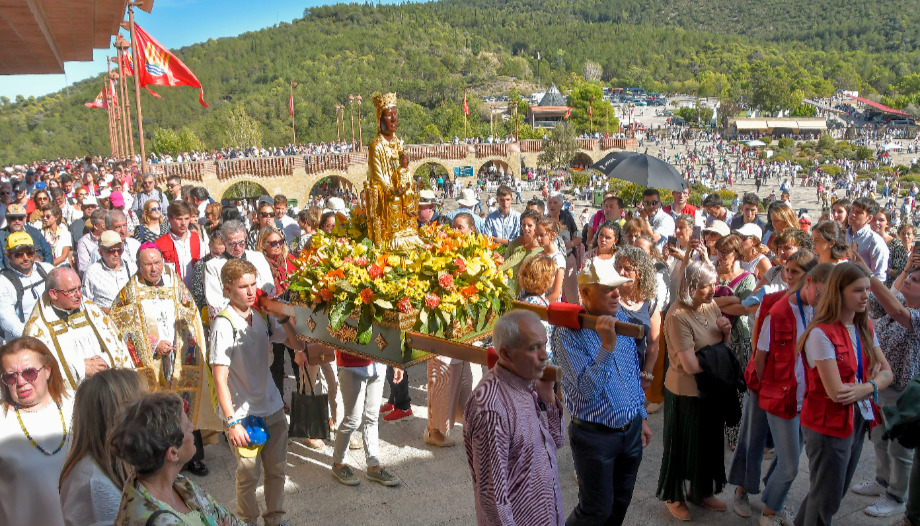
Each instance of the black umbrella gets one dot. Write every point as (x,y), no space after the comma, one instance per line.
(641,169)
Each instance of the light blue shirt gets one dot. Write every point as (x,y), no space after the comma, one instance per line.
(503,227)
(599,386)
(872,249)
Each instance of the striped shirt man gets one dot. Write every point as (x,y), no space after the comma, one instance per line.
(511,440)
(600,386)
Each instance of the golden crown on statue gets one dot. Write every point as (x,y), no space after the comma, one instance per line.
(384,101)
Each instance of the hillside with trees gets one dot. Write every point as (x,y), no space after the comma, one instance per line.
(768,53)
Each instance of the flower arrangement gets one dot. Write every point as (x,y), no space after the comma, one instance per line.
(453,278)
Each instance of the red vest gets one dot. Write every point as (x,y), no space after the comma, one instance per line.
(778,384)
(168,248)
(819,412)
(350,360)
(750,372)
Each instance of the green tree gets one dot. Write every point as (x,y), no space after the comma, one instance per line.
(242,131)
(559,147)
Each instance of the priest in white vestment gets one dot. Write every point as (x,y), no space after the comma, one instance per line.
(82,337)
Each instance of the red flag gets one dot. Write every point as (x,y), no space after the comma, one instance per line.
(160,67)
(127,67)
(568,113)
(112,92)
(466,107)
(590,109)
(98,102)
(292,104)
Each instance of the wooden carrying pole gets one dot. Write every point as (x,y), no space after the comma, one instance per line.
(462,351)
(137,86)
(586,321)
(122,45)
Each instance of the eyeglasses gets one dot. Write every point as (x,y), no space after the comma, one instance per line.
(630,270)
(153,209)
(29,374)
(275,244)
(235,243)
(172,185)
(266,214)
(651,203)
(47,217)
(5,193)
(69,293)
(16,218)
(28,252)
(115,250)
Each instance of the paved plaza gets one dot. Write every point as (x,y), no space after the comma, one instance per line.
(436,486)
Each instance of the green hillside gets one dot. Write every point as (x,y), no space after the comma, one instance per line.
(771,52)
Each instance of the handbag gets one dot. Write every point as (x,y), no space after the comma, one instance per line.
(309,412)
(318,354)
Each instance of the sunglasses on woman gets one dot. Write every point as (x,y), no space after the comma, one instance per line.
(29,375)
(274,244)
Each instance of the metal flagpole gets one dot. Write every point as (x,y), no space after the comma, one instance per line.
(137,86)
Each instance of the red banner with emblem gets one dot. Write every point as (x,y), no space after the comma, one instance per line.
(159,67)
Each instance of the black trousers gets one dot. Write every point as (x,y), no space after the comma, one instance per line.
(399,393)
(199,447)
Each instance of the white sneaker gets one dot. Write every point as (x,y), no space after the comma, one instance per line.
(780,519)
(885,506)
(741,504)
(869,489)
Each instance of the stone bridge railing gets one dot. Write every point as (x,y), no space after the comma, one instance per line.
(225,170)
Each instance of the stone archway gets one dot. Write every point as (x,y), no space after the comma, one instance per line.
(500,166)
(331,184)
(581,160)
(431,169)
(243,190)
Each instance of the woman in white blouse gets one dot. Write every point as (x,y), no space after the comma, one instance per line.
(92,477)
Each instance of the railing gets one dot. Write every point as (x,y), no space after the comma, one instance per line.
(313,164)
(257,166)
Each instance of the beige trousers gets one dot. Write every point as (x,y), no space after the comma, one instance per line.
(273,457)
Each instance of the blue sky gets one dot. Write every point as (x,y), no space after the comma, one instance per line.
(175,23)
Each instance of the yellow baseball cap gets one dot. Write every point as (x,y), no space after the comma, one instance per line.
(249,452)
(18,239)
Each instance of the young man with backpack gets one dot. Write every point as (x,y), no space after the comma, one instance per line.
(240,355)
(21,283)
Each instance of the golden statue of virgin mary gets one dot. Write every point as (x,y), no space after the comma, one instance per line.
(392,201)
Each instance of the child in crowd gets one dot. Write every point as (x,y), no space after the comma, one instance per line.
(546,232)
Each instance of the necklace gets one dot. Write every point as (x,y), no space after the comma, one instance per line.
(36,444)
(704,321)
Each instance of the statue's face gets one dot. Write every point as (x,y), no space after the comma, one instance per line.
(388,121)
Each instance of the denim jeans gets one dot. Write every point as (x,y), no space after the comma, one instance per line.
(787,437)
(607,464)
(752,438)
(361,397)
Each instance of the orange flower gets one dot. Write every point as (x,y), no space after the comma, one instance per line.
(469,291)
(367,295)
(325,293)
(336,273)
(432,300)
(382,260)
(375,271)
(404,305)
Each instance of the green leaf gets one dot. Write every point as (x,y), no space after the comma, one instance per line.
(496,304)
(345,285)
(423,316)
(383,304)
(341,311)
(365,325)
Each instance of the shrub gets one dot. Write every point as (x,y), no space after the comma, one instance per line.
(864,154)
(826,142)
(786,142)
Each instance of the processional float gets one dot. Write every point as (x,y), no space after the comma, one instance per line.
(382,288)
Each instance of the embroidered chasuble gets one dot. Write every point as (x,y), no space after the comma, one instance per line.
(148,314)
(86,333)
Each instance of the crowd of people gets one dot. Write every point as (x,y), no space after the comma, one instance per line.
(132,312)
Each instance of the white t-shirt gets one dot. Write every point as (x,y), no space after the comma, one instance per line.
(559,258)
(248,354)
(290,228)
(763,345)
(29,485)
(88,496)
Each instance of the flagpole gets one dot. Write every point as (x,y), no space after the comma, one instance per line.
(122,46)
(110,102)
(108,112)
(137,86)
(293,130)
(119,110)
(466,133)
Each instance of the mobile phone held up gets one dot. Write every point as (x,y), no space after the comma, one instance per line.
(917,247)
(672,241)
(697,233)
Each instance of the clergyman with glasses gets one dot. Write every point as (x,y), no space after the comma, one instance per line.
(82,337)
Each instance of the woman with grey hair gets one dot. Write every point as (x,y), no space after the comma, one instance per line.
(154,436)
(639,299)
(692,438)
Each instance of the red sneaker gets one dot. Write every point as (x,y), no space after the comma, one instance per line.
(396,414)
(386,408)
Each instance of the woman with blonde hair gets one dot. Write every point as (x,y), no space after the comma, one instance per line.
(753,253)
(92,477)
(845,369)
(152,224)
(34,430)
(630,232)
(546,232)
(782,217)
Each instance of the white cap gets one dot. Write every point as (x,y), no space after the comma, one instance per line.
(750,229)
(601,272)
